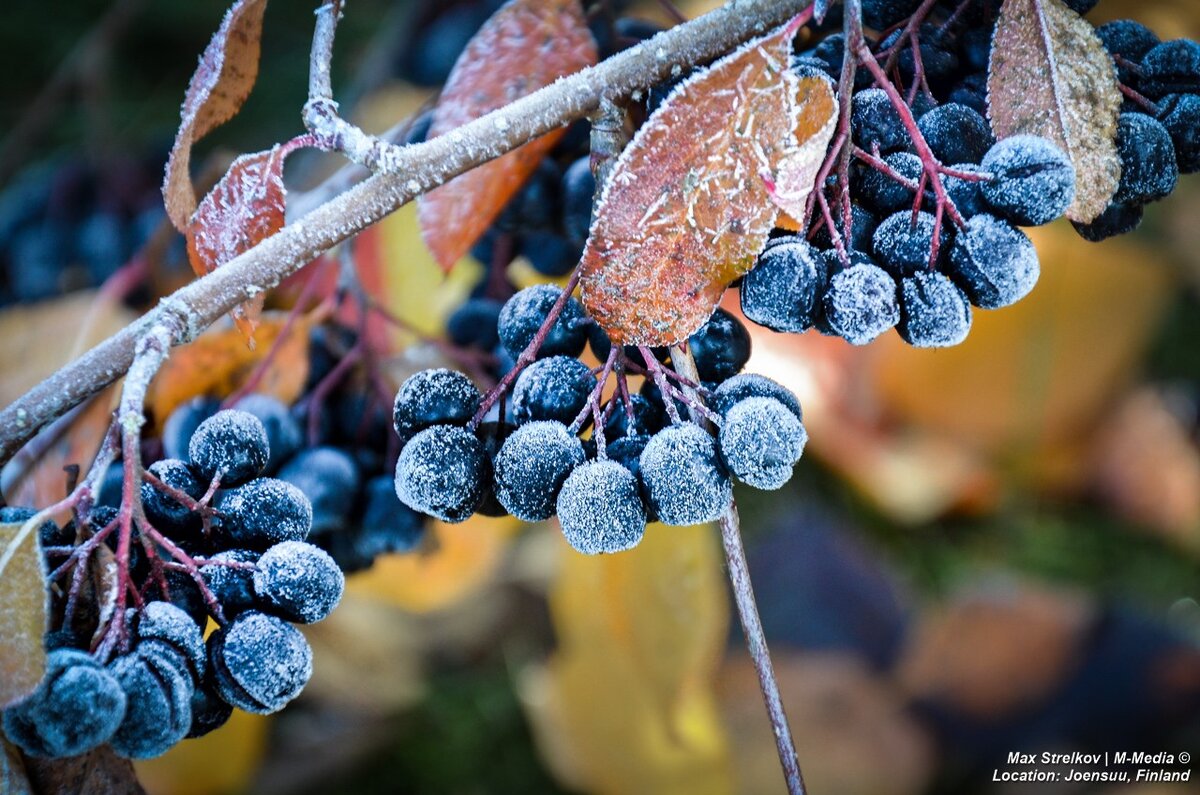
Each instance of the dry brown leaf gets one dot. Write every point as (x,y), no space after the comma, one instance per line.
(687,208)
(13,780)
(815,122)
(1050,76)
(219,362)
(524,46)
(23,611)
(219,86)
(98,772)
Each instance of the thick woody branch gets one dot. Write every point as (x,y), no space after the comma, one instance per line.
(419,168)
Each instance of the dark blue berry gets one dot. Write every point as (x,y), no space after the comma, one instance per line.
(182,592)
(524,314)
(862,229)
(994,263)
(967,194)
(112,487)
(749,385)
(1171,67)
(434,397)
(264,512)
(684,479)
(1117,219)
(883,192)
(1148,168)
(578,190)
(166,514)
(535,207)
(874,122)
(1128,41)
(882,14)
(298,582)
(860,303)
(1033,181)
(1180,114)
(531,467)
(388,525)
(721,347)
(904,246)
(209,710)
(783,291)
(165,623)
(627,451)
(473,325)
(284,435)
(233,586)
(1081,6)
(600,508)
(329,479)
(647,418)
(971,92)
(934,313)
(956,133)
(760,441)
(976,48)
(493,435)
(231,445)
(443,472)
(556,388)
(158,704)
(259,662)
(938,61)
(550,254)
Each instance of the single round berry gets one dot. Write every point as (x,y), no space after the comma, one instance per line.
(443,472)
(994,263)
(1171,67)
(434,397)
(550,254)
(903,244)
(298,582)
(760,441)
(1033,181)
(474,324)
(182,423)
(524,314)
(934,313)
(967,194)
(232,585)
(749,385)
(882,191)
(1180,114)
(721,347)
(259,662)
(971,92)
(578,190)
(231,445)
(1148,168)
(531,467)
(168,515)
(166,623)
(556,388)
(646,418)
(956,133)
(264,512)
(329,479)
(388,525)
(783,291)
(1129,41)
(284,437)
(684,479)
(158,704)
(874,122)
(77,706)
(209,710)
(860,303)
(1117,219)
(600,508)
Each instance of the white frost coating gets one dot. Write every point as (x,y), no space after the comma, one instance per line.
(412,186)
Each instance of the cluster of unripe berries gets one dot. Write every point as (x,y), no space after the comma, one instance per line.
(167,682)
(531,463)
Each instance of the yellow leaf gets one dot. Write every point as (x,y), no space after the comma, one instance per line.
(454,561)
(23,611)
(626,704)
(220,762)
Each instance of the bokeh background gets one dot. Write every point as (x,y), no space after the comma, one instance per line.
(986,549)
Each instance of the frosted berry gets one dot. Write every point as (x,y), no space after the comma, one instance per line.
(578,190)
(264,512)
(904,246)
(182,423)
(209,710)
(760,441)
(163,622)
(883,192)
(882,14)
(524,314)
(1128,40)
(967,194)
(862,229)
(956,133)
(874,122)
(1148,167)
(298,582)
(388,525)
(284,436)
(474,324)
(647,418)
(994,263)
(434,397)
(233,586)
(531,467)
(158,704)
(627,451)
(860,303)
(600,508)
(169,516)
(934,313)
(1117,219)
(749,385)
(684,479)
(1180,114)
(231,445)
(556,388)
(1170,67)
(329,478)
(721,347)
(1033,181)
(259,662)
(443,472)
(783,291)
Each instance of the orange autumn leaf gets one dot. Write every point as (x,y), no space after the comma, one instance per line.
(687,208)
(816,120)
(219,362)
(524,46)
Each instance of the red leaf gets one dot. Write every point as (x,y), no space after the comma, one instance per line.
(525,45)
(218,88)
(687,210)
(241,210)
(797,174)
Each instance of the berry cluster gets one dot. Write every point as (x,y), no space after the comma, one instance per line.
(465,452)
(220,541)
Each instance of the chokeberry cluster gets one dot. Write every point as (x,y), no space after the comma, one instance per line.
(222,542)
